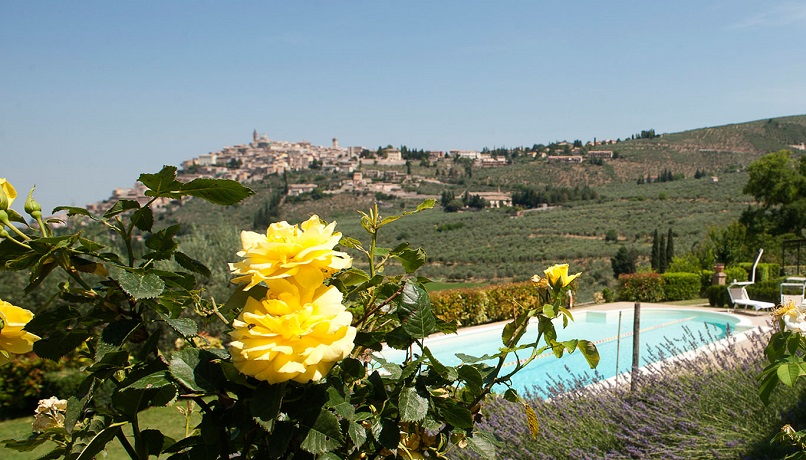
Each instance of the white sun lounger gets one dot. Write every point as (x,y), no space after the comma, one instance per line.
(738,293)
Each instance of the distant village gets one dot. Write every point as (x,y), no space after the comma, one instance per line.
(263,156)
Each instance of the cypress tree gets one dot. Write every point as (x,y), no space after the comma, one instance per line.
(669,248)
(662,262)
(654,258)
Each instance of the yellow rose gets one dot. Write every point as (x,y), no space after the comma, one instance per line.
(304,253)
(9,192)
(293,334)
(557,276)
(12,338)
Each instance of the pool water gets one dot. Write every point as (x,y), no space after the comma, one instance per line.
(659,327)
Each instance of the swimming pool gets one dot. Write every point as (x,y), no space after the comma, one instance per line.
(659,326)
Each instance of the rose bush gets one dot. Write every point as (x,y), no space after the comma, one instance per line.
(300,376)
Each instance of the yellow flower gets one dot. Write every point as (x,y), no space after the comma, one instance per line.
(7,190)
(12,338)
(557,276)
(304,253)
(293,334)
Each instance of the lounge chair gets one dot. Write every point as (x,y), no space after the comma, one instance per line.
(738,293)
(793,291)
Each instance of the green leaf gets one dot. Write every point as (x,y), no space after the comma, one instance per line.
(769,380)
(143,219)
(371,340)
(223,192)
(192,265)
(97,444)
(324,436)
(163,183)
(163,240)
(193,368)
(589,351)
(472,378)
(121,206)
(73,211)
(448,373)
(352,369)
(549,310)
(511,395)
(186,327)
(141,286)
(412,406)
(114,335)
(398,338)
(59,343)
(151,381)
(410,259)
(351,243)
(266,402)
(483,443)
(414,302)
(87,245)
(456,415)
(357,433)
(155,441)
(788,373)
(26,445)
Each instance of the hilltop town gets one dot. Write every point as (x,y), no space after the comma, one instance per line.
(381,171)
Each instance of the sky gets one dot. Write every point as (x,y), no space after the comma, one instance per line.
(93,93)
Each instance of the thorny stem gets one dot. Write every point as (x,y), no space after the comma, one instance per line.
(127,446)
(16,230)
(380,306)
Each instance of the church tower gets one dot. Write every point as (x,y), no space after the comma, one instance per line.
(254,136)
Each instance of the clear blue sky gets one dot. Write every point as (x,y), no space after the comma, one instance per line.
(92,93)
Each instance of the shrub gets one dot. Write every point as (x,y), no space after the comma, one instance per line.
(736,273)
(718,296)
(644,287)
(764,271)
(767,291)
(681,286)
(21,382)
(706,280)
(608,295)
(471,306)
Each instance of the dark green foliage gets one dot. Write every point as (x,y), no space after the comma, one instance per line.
(767,291)
(662,262)
(718,296)
(268,212)
(550,195)
(681,286)
(669,248)
(764,271)
(611,235)
(624,262)
(21,383)
(644,287)
(735,273)
(654,257)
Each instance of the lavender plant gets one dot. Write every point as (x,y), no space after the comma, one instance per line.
(700,406)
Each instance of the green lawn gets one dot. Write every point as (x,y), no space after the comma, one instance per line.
(167,419)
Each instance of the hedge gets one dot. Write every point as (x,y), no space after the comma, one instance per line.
(764,271)
(471,306)
(681,286)
(644,287)
(718,295)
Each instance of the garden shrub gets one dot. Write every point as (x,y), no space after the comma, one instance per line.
(764,271)
(706,280)
(681,286)
(471,306)
(767,291)
(718,295)
(735,273)
(644,287)
(21,381)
